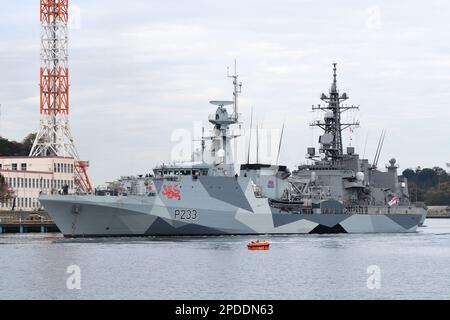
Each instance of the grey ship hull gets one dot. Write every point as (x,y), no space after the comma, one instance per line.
(206,206)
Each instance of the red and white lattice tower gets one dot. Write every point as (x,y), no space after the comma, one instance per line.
(54,137)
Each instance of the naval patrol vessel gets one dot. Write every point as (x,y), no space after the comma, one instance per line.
(336,193)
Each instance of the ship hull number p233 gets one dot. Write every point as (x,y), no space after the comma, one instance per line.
(186,214)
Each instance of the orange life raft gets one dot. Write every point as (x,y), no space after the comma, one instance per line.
(258,245)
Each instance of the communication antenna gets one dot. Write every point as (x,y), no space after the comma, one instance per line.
(250,138)
(54,137)
(203,143)
(237,89)
(257,143)
(379,148)
(376,151)
(365,145)
(331,140)
(279,145)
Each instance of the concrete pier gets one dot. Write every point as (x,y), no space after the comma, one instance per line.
(15,222)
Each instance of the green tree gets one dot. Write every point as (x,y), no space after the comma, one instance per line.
(14,148)
(438,197)
(430,185)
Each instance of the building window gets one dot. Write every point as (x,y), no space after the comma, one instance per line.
(23,166)
(54,167)
(14,166)
(14,183)
(0,166)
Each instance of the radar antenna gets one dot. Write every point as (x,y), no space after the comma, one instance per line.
(331,140)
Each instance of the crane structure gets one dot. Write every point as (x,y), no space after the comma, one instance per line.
(54,137)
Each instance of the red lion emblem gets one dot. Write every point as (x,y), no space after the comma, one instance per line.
(172,191)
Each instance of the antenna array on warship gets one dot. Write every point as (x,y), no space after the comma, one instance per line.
(331,140)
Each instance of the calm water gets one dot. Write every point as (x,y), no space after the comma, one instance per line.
(412,266)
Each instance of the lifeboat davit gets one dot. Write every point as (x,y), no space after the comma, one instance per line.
(258,245)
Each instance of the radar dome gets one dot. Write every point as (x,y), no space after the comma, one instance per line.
(360,176)
(221,153)
(329,115)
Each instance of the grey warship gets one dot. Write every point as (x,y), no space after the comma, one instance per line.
(336,193)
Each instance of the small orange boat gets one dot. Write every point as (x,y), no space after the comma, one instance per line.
(258,245)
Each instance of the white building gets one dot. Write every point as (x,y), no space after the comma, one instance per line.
(29,176)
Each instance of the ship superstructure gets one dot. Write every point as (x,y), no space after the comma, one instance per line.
(208,197)
(352,184)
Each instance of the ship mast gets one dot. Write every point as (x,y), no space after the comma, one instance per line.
(222,121)
(331,140)
(237,88)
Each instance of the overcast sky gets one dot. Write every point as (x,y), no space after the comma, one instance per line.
(139,70)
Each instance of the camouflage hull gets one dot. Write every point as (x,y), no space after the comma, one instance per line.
(204,206)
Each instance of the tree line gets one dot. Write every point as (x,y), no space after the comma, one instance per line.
(15,148)
(429,185)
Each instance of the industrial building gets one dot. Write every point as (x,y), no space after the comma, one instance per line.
(30,176)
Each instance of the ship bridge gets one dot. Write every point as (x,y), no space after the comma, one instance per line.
(182,169)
